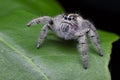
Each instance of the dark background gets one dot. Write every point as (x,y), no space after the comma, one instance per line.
(105,14)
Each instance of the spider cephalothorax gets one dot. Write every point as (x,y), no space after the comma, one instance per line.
(70,26)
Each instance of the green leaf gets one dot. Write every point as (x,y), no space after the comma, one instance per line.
(56,59)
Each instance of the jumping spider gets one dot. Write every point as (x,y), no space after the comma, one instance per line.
(70,26)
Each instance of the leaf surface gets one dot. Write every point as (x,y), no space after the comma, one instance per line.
(56,59)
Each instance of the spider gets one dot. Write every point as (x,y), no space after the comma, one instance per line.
(70,27)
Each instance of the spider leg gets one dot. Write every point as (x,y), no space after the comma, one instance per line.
(44,19)
(83,48)
(82,32)
(95,40)
(94,36)
(43,34)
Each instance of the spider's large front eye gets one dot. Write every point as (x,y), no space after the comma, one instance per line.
(69,18)
(65,17)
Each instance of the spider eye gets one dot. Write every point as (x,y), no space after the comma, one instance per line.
(73,18)
(69,18)
(65,17)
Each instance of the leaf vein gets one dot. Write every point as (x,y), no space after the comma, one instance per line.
(25,57)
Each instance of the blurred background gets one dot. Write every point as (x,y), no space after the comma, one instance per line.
(105,14)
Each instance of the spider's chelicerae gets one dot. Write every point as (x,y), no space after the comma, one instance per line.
(70,26)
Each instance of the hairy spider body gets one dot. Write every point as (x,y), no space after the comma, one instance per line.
(70,26)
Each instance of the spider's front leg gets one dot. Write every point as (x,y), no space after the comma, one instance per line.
(83,48)
(43,34)
(44,19)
